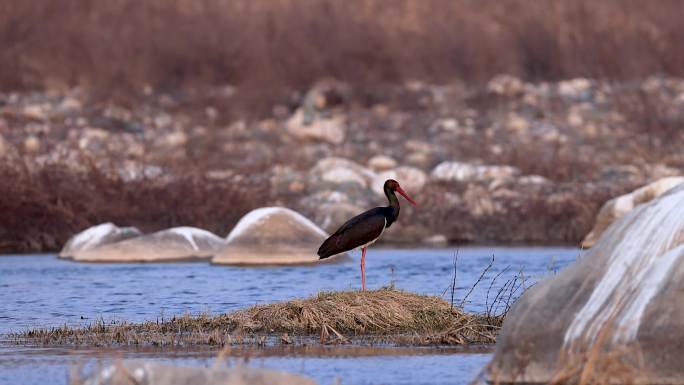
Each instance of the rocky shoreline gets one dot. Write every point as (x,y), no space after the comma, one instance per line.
(507,161)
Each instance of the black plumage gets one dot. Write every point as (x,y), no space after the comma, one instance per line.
(365,228)
(356,232)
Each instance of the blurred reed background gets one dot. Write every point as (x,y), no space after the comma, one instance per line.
(124,44)
(192,112)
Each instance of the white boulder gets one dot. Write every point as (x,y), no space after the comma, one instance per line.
(344,175)
(97,236)
(340,170)
(617,207)
(272,236)
(331,130)
(468,172)
(411,179)
(506,85)
(175,244)
(381,163)
(578,88)
(614,316)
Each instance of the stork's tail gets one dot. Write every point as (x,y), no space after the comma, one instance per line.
(329,248)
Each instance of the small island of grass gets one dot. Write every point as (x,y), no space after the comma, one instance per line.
(386,315)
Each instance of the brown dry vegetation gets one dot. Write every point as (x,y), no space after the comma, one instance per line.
(125,45)
(43,208)
(104,56)
(385,315)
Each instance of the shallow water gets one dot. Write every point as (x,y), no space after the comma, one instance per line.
(42,291)
(382,366)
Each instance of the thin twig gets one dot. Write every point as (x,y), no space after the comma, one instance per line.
(453,283)
(491,284)
(478,281)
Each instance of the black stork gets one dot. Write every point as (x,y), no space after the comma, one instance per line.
(365,228)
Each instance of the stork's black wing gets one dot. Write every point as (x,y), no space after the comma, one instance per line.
(356,232)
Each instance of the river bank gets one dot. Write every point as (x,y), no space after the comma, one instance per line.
(514,161)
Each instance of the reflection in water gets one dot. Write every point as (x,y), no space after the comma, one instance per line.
(44,291)
(325,365)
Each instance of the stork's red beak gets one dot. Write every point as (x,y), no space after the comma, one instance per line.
(403,193)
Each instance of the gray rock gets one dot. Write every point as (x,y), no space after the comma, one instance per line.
(621,301)
(411,179)
(131,170)
(419,159)
(331,206)
(381,163)
(406,233)
(533,180)
(468,172)
(575,89)
(436,240)
(69,106)
(344,175)
(480,203)
(506,85)
(36,111)
(331,130)
(93,140)
(32,144)
(339,171)
(418,146)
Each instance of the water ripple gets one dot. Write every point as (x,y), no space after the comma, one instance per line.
(39,290)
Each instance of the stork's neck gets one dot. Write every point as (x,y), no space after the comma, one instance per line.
(393,205)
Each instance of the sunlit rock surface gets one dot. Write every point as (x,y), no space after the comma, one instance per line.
(506,85)
(624,296)
(411,179)
(97,236)
(150,373)
(331,130)
(175,244)
(618,207)
(340,170)
(272,235)
(382,163)
(331,208)
(468,172)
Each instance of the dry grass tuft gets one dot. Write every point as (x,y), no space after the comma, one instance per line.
(387,315)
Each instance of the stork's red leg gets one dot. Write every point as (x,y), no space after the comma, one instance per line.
(363,268)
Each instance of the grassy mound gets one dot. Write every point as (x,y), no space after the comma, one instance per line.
(385,315)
